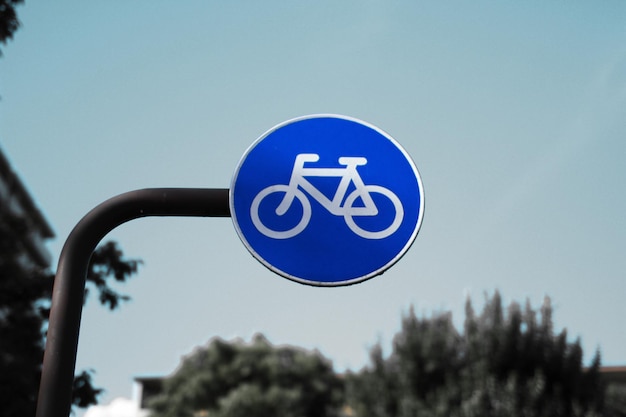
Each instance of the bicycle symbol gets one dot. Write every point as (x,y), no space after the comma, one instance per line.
(348,175)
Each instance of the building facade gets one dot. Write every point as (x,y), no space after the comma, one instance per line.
(34,230)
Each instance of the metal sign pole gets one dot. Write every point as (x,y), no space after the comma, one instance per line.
(55,390)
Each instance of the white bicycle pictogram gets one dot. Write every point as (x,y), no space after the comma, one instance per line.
(348,175)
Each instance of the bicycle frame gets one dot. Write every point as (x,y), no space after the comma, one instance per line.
(348,174)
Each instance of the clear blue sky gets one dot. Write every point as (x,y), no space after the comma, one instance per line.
(514,113)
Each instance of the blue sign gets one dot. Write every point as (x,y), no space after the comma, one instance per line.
(327,200)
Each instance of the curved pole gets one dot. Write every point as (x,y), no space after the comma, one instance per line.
(57,376)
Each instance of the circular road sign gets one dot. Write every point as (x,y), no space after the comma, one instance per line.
(327,200)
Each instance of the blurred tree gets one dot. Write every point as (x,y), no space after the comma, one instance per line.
(616,401)
(9,22)
(25,293)
(502,364)
(235,379)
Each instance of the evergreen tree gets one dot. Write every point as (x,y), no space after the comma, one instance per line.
(504,363)
(374,391)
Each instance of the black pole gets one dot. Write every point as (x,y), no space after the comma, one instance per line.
(55,390)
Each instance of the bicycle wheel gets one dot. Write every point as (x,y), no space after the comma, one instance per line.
(280,234)
(380,234)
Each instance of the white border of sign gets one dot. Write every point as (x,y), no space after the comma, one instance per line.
(307,281)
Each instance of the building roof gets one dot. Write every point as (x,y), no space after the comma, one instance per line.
(613,374)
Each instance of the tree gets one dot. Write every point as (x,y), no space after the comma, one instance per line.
(233,379)
(501,364)
(9,22)
(616,401)
(25,293)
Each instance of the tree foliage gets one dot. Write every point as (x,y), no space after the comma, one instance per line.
(235,379)
(502,364)
(25,293)
(9,22)
(615,401)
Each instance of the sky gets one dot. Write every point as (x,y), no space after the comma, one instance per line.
(513,112)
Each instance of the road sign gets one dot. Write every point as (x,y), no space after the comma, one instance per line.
(327,200)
